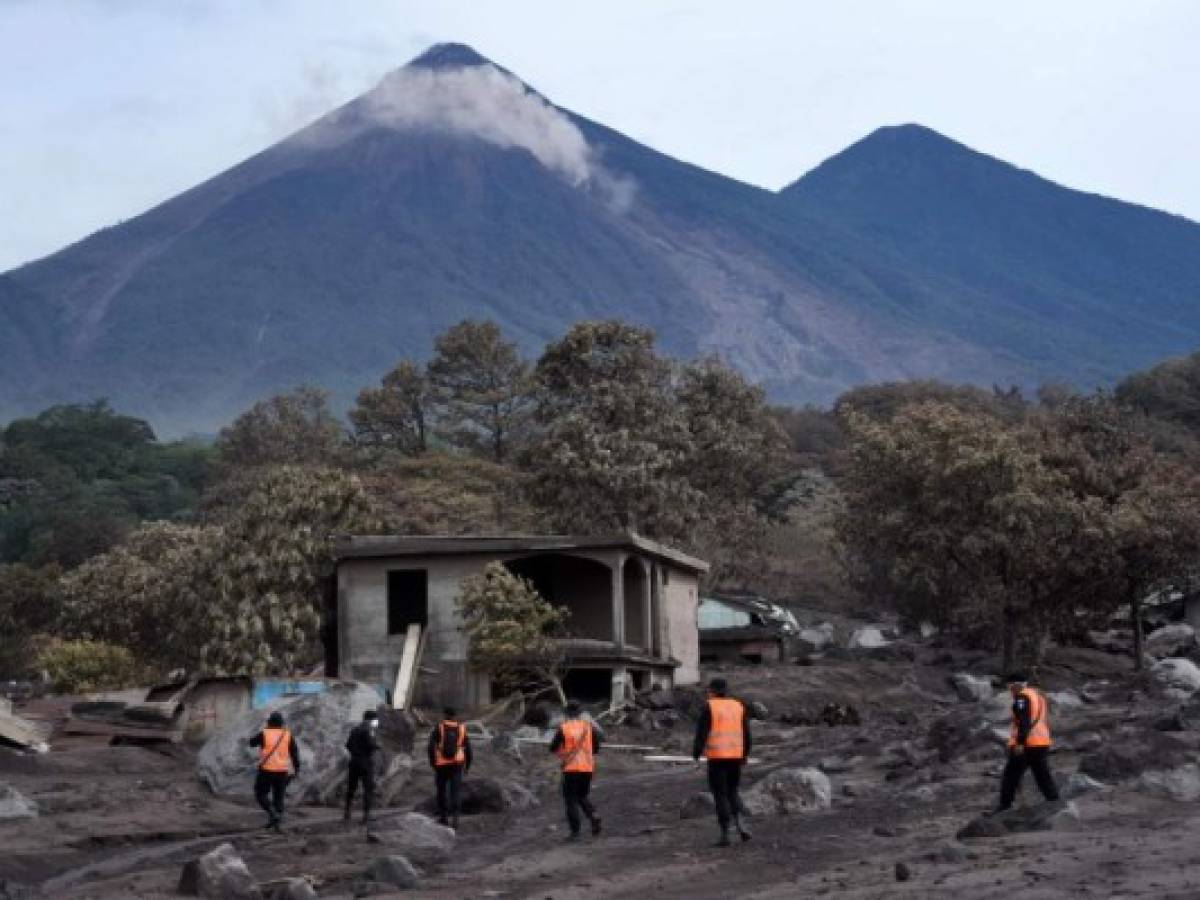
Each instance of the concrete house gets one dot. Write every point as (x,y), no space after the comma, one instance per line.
(632,605)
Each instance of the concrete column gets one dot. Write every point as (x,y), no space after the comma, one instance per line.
(1191,610)
(647,605)
(618,601)
(620,676)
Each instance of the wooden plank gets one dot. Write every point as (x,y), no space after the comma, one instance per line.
(405,675)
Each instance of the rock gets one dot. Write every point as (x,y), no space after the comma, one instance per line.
(505,744)
(487,795)
(867,638)
(972,687)
(1088,742)
(528,733)
(15,805)
(320,722)
(698,806)
(757,709)
(884,831)
(1061,701)
(1052,816)
(903,872)
(221,875)
(924,793)
(1079,784)
(666,719)
(394,870)
(417,836)
(290,889)
(819,637)
(1171,640)
(787,791)
(1179,678)
(1182,783)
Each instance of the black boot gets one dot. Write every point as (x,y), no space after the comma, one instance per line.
(723,840)
(454,822)
(742,830)
(596,826)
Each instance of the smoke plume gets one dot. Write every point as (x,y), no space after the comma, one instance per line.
(489,104)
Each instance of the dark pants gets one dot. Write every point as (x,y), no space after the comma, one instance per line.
(724,776)
(269,788)
(575,789)
(360,773)
(449,787)
(1036,758)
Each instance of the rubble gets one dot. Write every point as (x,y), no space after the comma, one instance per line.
(787,791)
(221,875)
(394,870)
(21,733)
(1177,639)
(1079,784)
(1181,784)
(416,836)
(289,889)
(1050,816)
(1179,678)
(973,688)
(867,638)
(488,795)
(15,805)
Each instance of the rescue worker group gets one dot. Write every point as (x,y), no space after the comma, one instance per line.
(722,737)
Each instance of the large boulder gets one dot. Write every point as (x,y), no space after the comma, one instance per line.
(395,871)
(418,837)
(15,805)
(289,889)
(1181,783)
(787,791)
(972,687)
(1052,816)
(1177,639)
(221,875)
(818,637)
(1179,678)
(320,723)
(487,795)
(868,637)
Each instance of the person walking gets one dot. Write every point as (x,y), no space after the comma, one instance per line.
(450,757)
(1028,742)
(278,758)
(362,745)
(723,738)
(576,743)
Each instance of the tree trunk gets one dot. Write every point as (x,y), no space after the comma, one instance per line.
(1135,609)
(1010,640)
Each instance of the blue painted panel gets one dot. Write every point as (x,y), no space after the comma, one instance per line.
(269,689)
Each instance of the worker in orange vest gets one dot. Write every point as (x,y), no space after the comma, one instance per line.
(450,757)
(576,743)
(723,738)
(1028,742)
(278,757)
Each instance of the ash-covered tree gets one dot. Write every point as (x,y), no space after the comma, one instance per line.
(482,389)
(296,428)
(736,452)
(265,615)
(147,594)
(396,415)
(512,631)
(611,439)
(955,516)
(29,607)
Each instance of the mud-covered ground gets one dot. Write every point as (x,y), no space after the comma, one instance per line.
(121,821)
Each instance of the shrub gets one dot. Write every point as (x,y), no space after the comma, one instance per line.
(76,667)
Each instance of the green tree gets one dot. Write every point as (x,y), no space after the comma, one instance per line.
(612,440)
(512,631)
(296,428)
(482,389)
(395,415)
(29,606)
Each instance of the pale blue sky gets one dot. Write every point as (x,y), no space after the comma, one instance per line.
(110,106)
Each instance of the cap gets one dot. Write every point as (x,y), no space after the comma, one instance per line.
(574,707)
(275,719)
(718,685)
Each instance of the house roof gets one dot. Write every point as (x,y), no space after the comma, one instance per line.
(378,546)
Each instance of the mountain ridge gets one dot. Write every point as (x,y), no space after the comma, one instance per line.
(452,189)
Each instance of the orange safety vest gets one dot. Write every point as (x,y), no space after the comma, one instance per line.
(725,733)
(576,750)
(460,755)
(275,754)
(1039,720)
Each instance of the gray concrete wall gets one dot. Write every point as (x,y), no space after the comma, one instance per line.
(679,612)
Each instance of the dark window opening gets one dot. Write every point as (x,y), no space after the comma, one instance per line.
(641,680)
(407,599)
(588,684)
(754,658)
